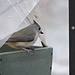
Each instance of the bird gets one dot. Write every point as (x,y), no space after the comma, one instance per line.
(25,37)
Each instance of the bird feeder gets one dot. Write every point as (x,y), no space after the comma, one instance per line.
(19,62)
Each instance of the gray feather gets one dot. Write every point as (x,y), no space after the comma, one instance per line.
(24,35)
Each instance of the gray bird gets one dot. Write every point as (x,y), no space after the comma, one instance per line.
(25,37)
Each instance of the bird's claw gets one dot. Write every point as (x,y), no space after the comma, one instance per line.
(27,50)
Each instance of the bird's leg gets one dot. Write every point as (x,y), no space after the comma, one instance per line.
(26,48)
(23,48)
(29,48)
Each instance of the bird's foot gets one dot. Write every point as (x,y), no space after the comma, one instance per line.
(44,45)
(27,49)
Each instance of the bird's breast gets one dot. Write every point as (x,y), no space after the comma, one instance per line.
(27,44)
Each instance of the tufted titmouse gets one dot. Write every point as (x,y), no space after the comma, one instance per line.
(26,37)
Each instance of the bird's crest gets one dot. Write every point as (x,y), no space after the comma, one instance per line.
(36,23)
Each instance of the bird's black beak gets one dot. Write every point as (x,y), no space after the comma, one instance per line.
(41,32)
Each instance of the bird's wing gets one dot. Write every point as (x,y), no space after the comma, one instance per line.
(24,35)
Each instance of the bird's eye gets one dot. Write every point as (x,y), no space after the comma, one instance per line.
(41,32)
(39,28)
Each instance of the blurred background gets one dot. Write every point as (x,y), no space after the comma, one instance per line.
(55,23)
(57,34)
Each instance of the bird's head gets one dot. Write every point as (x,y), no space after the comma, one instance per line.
(37,26)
